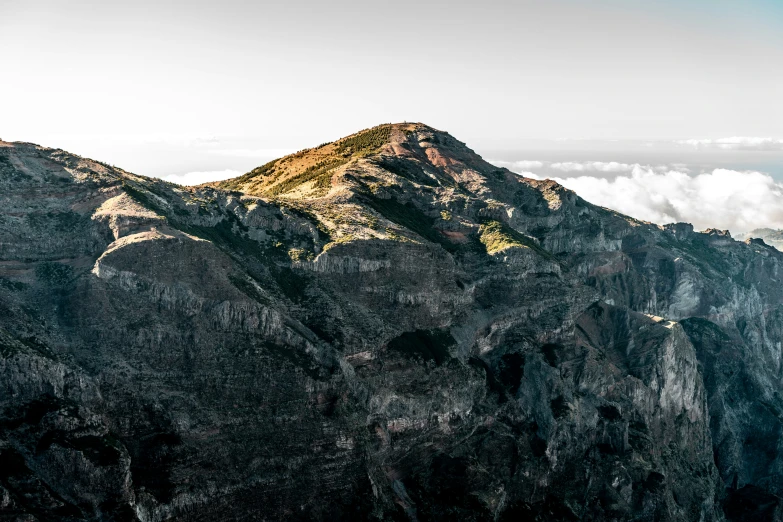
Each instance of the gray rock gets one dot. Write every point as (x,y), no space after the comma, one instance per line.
(386,327)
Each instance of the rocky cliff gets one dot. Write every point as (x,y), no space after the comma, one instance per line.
(385,327)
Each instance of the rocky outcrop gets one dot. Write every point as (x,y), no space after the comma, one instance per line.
(386,327)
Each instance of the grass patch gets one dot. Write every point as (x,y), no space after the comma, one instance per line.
(497,236)
(264,170)
(347,238)
(300,254)
(321,172)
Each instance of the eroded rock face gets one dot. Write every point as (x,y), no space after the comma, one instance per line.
(387,328)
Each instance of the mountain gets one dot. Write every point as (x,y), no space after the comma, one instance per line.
(386,327)
(770,236)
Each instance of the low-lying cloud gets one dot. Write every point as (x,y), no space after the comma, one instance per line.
(541,169)
(523,165)
(736,143)
(588,166)
(739,201)
(196,178)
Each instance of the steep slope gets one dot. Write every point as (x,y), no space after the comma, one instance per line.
(382,327)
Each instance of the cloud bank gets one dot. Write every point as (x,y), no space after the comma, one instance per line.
(586,166)
(724,199)
(736,143)
(739,201)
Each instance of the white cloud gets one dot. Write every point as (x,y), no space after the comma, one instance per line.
(736,142)
(528,164)
(525,166)
(196,178)
(724,199)
(518,166)
(599,166)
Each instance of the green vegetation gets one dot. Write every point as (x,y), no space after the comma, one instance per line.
(407,216)
(142,198)
(499,175)
(708,258)
(156,189)
(264,170)
(407,169)
(445,215)
(428,345)
(225,236)
(296,358)
(60,221)
(365,142)
(230,235)
(10,346)
(300,254)
(393,235)
(9,172)
(292,284)
(497,236)
(54,274)
(323,232)
(347,238)
(321,172)
(699,329)
(248,288)
(13,286)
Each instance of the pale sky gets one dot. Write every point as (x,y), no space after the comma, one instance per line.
(170,89)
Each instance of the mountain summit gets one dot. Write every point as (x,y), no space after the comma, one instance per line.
(317,172)
(385,327)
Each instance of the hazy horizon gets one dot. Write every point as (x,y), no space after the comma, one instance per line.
(212,91)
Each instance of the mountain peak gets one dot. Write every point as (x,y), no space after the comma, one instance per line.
(320,171)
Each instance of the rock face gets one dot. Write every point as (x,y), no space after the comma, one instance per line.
(385,327)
